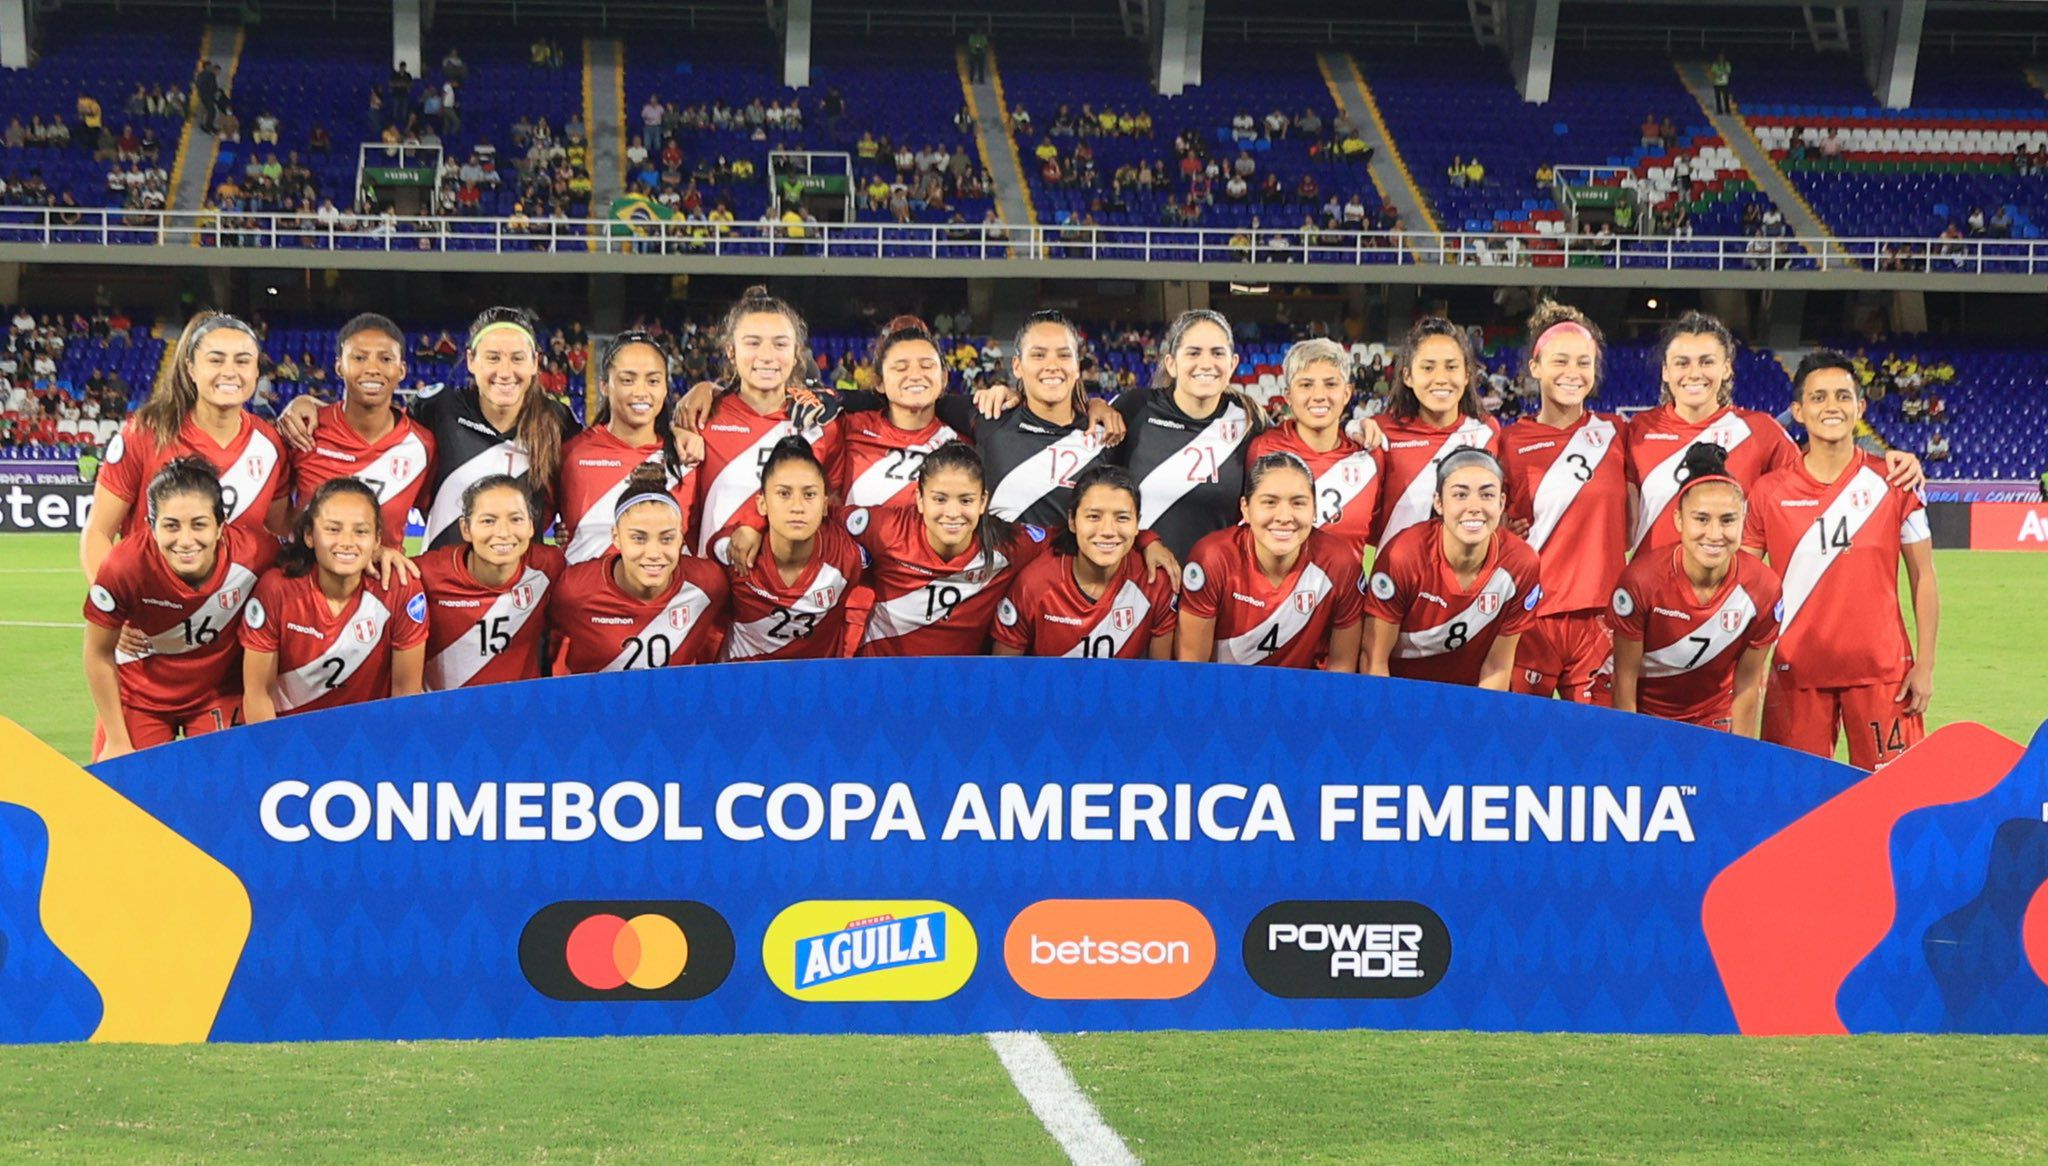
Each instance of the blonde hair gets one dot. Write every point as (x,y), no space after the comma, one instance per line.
(1319,350)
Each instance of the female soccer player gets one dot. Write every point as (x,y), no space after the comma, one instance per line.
(632,428)
(503,422)
(1091,597)
(1450,600)
(1837,532)
(1188,435)
(1434,412)
(486,594)
(1036,451)
(766,354)
(879,452)
(646,603)
(1347,473)
(1568,496)
(364,435)
(1694,624)
(320,630)
(183,587)
(791,604)
(1697,355)
(195,408)
(1273,590)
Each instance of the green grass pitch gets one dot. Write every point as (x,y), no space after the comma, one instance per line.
(1174,1097)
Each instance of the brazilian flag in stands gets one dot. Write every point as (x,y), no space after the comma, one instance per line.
(632,213)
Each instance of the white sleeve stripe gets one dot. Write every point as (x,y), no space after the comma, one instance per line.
(1914,529)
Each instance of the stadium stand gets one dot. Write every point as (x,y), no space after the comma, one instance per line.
(137,74)
(66,379)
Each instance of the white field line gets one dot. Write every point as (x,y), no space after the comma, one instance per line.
(1061,1107)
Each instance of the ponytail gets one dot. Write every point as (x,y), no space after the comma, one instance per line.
(537,427)
(175,393)
(756,300)
(791,449)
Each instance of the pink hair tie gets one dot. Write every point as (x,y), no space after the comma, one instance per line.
(1568,327)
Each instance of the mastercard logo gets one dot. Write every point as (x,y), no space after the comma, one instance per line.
(626,950)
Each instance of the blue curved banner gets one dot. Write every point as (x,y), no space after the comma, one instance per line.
(961,845)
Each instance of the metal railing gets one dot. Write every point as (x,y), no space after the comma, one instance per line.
(120,227)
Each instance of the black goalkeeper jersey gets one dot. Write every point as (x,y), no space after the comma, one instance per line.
(1190,470)
(467,448)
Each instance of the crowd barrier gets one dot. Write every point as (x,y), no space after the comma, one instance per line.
(959,845)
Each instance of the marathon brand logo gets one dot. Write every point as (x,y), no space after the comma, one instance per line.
(830,950)
(625,949)
(1347,949)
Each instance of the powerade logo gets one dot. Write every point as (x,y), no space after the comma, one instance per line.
(623,949)
(1347,949)
(861,949)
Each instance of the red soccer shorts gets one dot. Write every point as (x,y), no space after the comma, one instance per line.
(147,729)
(1808,719)
(1570,654)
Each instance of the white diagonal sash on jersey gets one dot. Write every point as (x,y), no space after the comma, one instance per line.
(907,613)
(876,486)
(688,598)
(1169,481)
(739,480)
(1475,618)
(396,468)
(506,457)
(303,686)
(1660,485)
(594,526)
(1812,556)
(459,662)
(1038,475)
(1413,504)
(234,589)
(1686,654)
(747,640)
(1560,486)
(1346,487)
(1283,624)
(1130,596)
(241,482)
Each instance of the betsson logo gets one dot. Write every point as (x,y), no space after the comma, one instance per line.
(1109,949)
(1347,949)
(626,949)
(869,949)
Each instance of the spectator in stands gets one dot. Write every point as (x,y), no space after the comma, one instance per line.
(1720,73)
(1020,119)
(1974,224)
(1937,446)
(1309,125)
(1243,128)
(1277,125)
(265,132)
(1456,172)
(1651,137)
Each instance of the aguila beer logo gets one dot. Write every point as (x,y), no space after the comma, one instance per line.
(870,949)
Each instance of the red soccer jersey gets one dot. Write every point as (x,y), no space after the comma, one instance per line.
(595,465)
(876,463)
(804,619)
(1347,482)
(194,630)
(325,658)
(477,634)
(1836,546)
(1047,613)
(1656,445)
(610,631)
(1414,448)
(1448,628)
(1285,624)
(926,605)
(396,466)
(1691,646)
(737,442)
(252,469)
(1571,486)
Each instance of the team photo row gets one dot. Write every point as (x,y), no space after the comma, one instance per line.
(1690,562)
